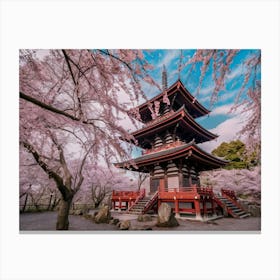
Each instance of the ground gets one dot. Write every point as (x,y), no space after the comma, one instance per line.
(45,221)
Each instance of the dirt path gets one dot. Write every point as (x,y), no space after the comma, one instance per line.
(45,221)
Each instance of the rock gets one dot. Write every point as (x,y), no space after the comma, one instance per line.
(114,221)
(88,216)
(124,225)
(76,212)
(225,212)
(244,204)
(84,210)
(144,227)
(103,215)
(144,218)
(254,210)
(166,217)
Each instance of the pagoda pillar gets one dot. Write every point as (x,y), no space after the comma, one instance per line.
(190,177)
(180,175)
(120,205)
(176,202)
(204,208)
(213,207)
(159,203)
(197,209)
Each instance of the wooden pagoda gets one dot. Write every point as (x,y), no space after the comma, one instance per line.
(172,157)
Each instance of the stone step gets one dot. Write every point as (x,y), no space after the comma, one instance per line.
(135,212)
(244,215)
(233,207)
(239,212)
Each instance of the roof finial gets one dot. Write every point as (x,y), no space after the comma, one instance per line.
(180,65)
(164,78)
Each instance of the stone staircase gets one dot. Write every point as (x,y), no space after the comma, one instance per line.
(139,206)
(232,208)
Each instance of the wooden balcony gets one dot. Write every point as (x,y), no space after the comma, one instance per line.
(127,195)
(185,193)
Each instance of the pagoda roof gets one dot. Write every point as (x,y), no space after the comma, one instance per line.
(190,152)
(182,96)
(181,116)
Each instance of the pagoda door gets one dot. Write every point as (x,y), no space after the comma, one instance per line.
(155,184)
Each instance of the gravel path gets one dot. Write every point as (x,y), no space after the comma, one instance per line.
(45,221)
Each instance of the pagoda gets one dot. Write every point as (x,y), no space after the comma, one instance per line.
(171,155)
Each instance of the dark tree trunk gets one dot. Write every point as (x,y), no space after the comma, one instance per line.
(55,203)
(50,202)
(63,212)
(25,202)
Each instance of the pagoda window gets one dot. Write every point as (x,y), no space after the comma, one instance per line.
(186,175)
(166,109)
(154,185)
(158,172)
(168,138)
(173,182)
(194,176)
(186,181)
(172,172)
(172,169)
(158,141)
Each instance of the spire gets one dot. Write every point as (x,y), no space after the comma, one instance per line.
(164,78)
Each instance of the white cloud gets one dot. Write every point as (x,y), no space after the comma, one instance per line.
(207,90)
(170,55)
(239,70)
(227,131)
(222,110)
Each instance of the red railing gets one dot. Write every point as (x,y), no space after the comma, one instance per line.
(205,190)
(229,193)
(193,188)
(151,202)
(163,147)
(141,195)
(116,195)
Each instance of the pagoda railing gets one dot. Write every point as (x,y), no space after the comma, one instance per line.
(151,202)
(205,190)
(160,118)
(229,193)
(186,191)
(125,194)
(141,195)
(163,147)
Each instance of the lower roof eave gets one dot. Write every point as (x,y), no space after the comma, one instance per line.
(191,152)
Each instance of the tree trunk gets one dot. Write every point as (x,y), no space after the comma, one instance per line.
(50,202)
(25,202)
(63,212)
(55,203)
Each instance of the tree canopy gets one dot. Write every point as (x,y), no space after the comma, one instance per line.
(237,155)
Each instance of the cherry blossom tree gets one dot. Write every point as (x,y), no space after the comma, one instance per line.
(248,98)
(69,111)
(36,189)
(246,183)
(98,185)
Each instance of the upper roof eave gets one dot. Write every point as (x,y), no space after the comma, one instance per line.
(173,116)
(181,86)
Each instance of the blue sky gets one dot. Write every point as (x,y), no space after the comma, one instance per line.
(219,120)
